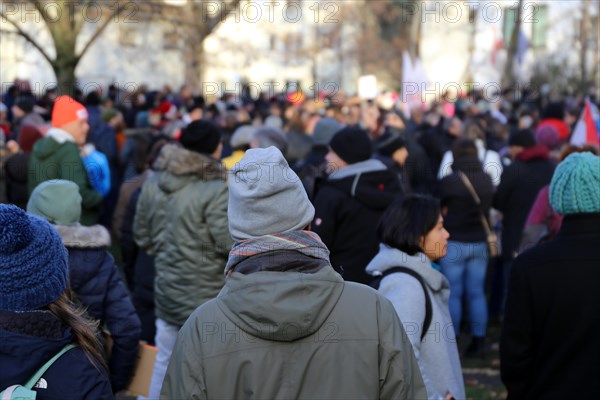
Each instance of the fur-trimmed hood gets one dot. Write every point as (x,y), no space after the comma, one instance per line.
(179,161)
(179,166)
(84,237)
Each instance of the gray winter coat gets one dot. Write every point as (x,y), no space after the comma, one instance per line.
(181,219)
(293,335)
(437,354)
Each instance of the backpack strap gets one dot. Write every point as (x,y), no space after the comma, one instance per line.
(428,306)
(36,377)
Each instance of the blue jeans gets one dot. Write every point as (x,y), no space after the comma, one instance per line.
(465,266)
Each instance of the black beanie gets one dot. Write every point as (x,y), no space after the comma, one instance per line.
(352,144)
(201,137)
(523,138)
(388,143)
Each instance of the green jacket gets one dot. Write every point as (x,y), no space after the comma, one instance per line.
(293,335)
(181,219)
(53,160)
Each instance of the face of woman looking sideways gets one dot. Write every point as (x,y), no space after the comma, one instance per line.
(435,242)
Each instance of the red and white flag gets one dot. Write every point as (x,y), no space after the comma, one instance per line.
(587,130)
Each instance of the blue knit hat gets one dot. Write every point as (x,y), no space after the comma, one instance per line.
(33,261)
(575,186)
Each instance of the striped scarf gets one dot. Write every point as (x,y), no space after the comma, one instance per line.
(304,242)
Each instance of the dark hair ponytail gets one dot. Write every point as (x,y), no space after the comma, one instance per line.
(84,329)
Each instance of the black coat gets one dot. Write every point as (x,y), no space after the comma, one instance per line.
(312,169)
(417,167)
(139,266)
(95,279)
(435,142)
(519,186)
(29,339)
(17,192)
(347,212)
(549,344)
(463,219)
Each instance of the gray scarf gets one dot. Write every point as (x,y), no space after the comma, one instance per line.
(305,244)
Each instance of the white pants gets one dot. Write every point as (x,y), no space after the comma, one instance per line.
(166,334)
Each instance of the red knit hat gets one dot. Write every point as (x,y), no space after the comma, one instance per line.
(67,110)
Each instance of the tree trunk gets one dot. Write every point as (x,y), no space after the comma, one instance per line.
(65,78)
(508,79)
(585,22)
(191,64)
(64,68)
(200,67)
(597,56)
(414,38)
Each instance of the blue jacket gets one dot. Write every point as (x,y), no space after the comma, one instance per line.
(96,281)
(29,339)
(98,170)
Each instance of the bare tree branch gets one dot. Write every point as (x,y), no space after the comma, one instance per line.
(116,12)
(26,36)
(211,24)
(40,8)
(79,22)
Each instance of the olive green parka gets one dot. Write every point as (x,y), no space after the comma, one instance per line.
(181,219)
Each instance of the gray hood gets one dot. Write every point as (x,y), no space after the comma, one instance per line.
(389,257)
(280,306)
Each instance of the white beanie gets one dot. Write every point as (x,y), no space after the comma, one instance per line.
(266,196)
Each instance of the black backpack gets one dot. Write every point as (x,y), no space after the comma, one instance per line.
(428,307)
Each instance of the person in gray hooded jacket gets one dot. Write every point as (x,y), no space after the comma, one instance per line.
(412,236)
(286,325)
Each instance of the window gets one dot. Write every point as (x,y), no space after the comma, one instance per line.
(539,26)
(171,40)
(128,36)
(534,23)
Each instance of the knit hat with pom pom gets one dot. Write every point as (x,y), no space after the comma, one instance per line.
(33,261)
(575,186)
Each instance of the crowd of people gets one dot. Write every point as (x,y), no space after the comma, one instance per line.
(247,232)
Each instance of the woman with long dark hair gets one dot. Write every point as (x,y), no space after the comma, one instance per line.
(38,319)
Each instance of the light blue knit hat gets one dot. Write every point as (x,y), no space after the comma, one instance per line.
(575,186)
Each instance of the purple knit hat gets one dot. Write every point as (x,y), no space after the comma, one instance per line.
(547,136)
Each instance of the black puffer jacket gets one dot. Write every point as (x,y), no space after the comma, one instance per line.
(347,210)
(97,284)
(29,340)
(520,183)
(140,265)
